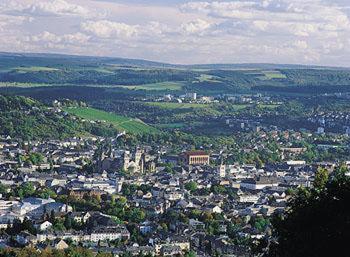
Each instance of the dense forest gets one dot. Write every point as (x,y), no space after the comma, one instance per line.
(91,76)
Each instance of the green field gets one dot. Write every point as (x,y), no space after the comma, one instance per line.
(120,122)
(157,86)
(171,125)
(273,74)
(167,105)
(209,78)
(34,68)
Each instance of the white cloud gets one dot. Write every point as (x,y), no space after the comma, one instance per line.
(198,26)
(47,37)
(108,29)
(306,31)
(55,7)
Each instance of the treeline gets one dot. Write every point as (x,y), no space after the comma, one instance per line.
(95,77)
(317,77)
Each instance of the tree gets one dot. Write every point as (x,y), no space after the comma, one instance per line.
(317,222)
(3,189)
(321,178)
(68,221)
(190,254)
(46,193)
(25,190)
(191,186)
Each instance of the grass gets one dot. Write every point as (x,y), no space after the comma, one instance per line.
(206,77)
(166,105)
(120,122)
(171,125)
(157,86)
(273,74)
(34,69)
(23,85)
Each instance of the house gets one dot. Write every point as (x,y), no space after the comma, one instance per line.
(145,227)
(196,225)
(44,225)
(170,250)
(213,208)
(60,244)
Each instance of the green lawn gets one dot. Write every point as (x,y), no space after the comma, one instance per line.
(166,105)
(120,122)
(157,86)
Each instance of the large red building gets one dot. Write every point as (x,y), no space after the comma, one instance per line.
(195,158)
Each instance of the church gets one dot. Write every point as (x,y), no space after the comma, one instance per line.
(136,162)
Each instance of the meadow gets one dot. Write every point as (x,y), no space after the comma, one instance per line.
(157,86)
(120,122)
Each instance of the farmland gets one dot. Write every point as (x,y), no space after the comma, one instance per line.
(120,122)
(168,85)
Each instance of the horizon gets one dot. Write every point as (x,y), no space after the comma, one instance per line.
(174,64)
(185,32)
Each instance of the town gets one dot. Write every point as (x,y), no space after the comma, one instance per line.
(142,200)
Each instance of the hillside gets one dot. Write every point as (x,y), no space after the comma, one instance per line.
(122,123)
(28,119)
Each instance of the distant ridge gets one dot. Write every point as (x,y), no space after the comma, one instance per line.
(64,59)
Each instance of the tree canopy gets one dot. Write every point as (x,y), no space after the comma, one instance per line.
(317,221)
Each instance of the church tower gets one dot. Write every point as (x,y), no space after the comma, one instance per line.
(126,160)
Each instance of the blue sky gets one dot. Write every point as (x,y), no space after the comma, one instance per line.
(182,31)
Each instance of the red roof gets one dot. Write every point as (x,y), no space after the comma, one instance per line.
(196,153)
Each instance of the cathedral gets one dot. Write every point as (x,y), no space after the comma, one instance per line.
(136,162)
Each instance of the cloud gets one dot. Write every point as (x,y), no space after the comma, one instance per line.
(108,29)
(47,37)
(182,31)
(39,8)
(197,26)
(56,7)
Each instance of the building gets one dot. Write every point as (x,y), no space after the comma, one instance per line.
(259,183)
(192,96)
(222,171)
(320,130)
(195,158)
(109,233)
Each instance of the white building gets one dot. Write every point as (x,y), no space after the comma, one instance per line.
(259,183)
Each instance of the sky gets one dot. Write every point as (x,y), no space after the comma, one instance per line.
(182,31)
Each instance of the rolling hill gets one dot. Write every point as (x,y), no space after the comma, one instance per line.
(47,70)
(122,123)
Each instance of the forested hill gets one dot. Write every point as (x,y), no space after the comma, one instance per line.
(26,118)
(39,70)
